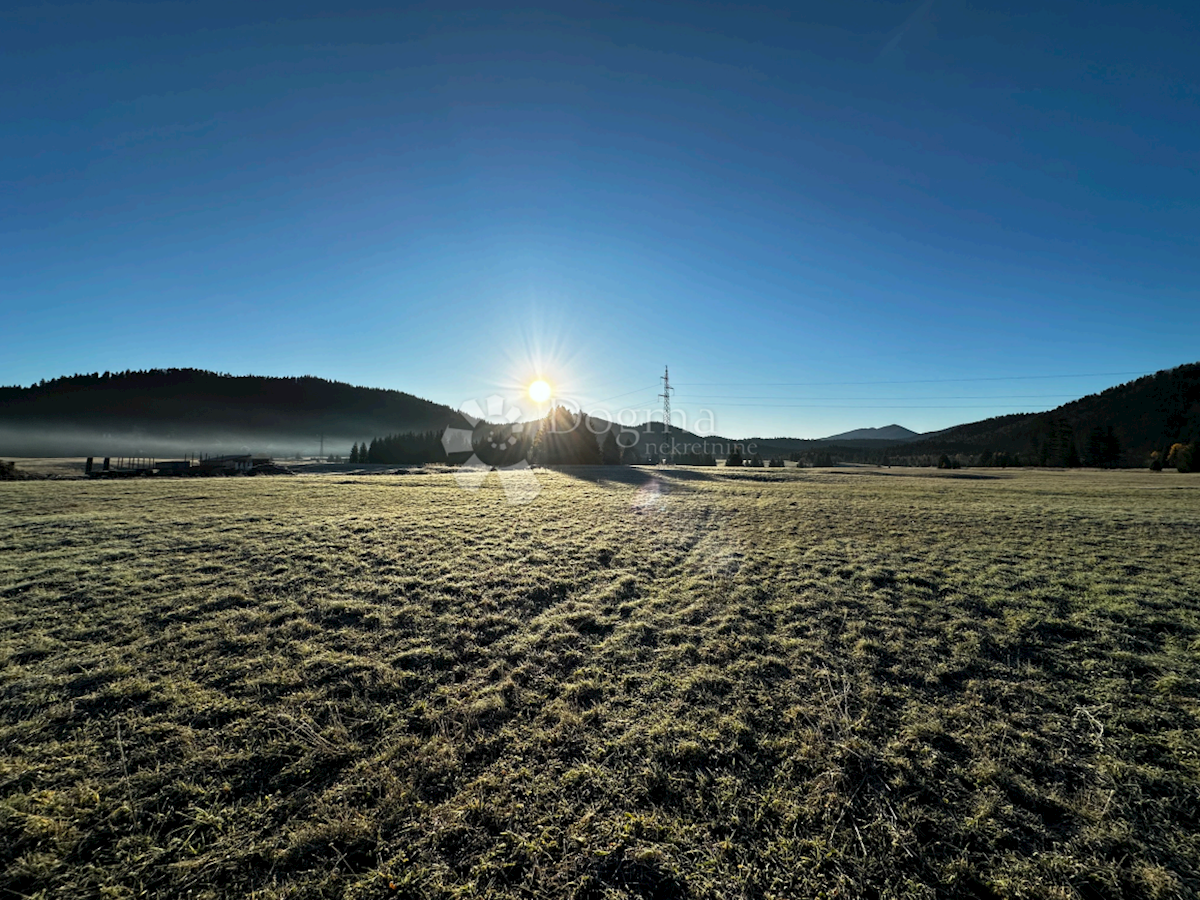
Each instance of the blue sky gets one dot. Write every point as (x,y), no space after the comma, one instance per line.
(822,216)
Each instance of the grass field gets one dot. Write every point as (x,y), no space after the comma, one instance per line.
(678,684)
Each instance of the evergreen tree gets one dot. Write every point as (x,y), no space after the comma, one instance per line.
(408,448)
(1093,447)
(1056,446)
(1072,460)
(610,451)
(735,458)
(565,439)
(586,446)
(1112,448)
(1102,449)
(354,453)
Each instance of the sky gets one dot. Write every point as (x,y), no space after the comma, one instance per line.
(821,216)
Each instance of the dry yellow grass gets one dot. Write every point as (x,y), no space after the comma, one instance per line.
(679,683)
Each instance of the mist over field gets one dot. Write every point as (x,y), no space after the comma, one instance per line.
(34,440)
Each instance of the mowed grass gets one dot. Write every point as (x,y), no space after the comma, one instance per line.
(677,684)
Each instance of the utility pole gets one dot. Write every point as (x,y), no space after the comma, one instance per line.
(322,448)
(666,399)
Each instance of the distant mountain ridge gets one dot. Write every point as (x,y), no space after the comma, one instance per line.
(172,411)
(1147,414)
(886,433)
(1136,418)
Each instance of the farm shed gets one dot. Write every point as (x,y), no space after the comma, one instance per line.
(234,464)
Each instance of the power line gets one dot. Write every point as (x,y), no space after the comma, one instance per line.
(997,397)
(647,406)
(843,406)
(640,390)
(914,381)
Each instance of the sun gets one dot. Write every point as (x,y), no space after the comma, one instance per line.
(540,391)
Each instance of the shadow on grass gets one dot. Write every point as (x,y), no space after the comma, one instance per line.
(917,473)
(637,475)
(968,476)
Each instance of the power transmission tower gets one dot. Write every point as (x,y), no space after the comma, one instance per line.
(666,399)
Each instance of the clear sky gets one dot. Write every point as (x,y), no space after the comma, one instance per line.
(823,216)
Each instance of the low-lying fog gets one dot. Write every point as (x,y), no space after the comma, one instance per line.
(26,441)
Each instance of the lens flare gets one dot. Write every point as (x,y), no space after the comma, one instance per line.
(540,391)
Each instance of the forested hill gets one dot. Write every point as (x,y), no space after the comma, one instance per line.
(174,410)
(1151,413)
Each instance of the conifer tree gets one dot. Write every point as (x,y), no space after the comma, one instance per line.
(610,451)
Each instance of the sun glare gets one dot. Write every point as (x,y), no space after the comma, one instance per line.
(540,391)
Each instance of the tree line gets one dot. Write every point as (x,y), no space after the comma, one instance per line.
(566,438)
(562,438)
(405,448)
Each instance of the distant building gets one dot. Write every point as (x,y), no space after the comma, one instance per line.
(233,464)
